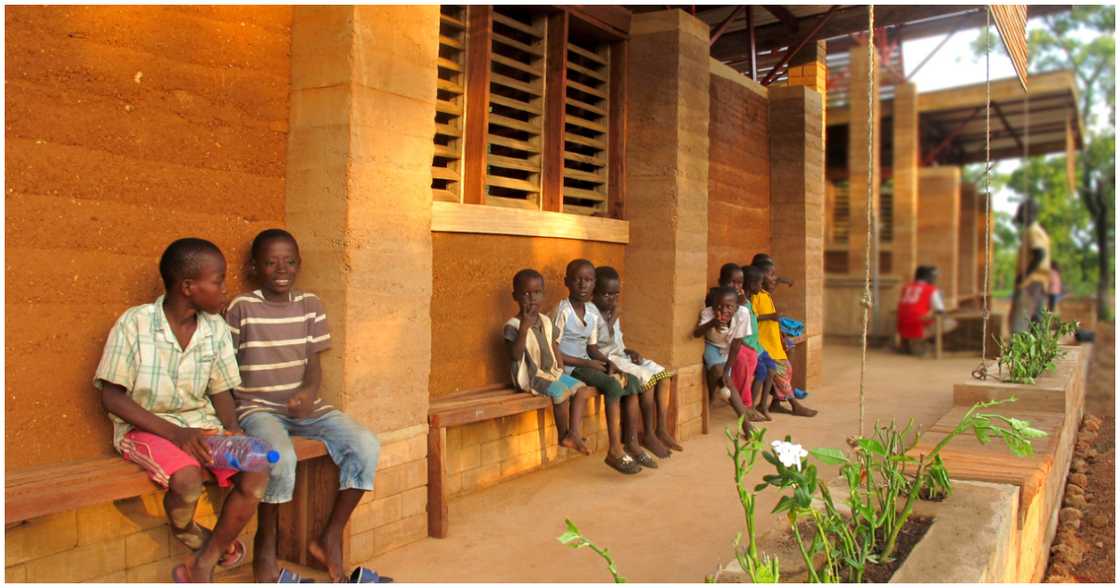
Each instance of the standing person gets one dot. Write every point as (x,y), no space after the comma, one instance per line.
(279,333)
(1032,278)
(165,378)
(770,336)
(1055,285)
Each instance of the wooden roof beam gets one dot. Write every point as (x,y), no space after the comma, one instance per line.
(784,16)
(804,40)
(722,28)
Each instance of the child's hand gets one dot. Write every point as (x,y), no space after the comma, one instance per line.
(634,356)
(528,314)
(189,439)
(600,365)
(301,405)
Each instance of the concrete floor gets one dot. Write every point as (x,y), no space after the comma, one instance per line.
(673,524)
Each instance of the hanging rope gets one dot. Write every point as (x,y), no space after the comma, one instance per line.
(981,372)
(870,179)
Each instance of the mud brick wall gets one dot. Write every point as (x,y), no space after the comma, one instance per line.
(126,127)
(738,170)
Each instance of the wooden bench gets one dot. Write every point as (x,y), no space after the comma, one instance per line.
(474,406)
(45,490)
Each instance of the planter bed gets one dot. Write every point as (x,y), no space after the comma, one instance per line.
(983,513)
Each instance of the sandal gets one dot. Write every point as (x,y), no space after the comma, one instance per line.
(289,577)
(235,555)
(624,464)
(363,575)
(198,535)
(644,459)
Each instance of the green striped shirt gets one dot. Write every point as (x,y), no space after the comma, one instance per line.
(175,384)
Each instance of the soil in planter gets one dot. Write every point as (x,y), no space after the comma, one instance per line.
(908,537)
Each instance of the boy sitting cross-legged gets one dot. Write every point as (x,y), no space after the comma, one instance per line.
(654,379)
(165,378)
(279,333)
(577,331)
(537,366)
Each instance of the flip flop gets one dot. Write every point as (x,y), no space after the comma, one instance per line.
(624,464)
(289,577)
(230,559)
(363,575)
(800,394)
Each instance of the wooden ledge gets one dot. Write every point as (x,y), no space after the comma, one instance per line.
(453,217)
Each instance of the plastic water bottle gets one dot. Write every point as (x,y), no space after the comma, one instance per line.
(239,452)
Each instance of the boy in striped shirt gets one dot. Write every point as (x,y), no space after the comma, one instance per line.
(279,333)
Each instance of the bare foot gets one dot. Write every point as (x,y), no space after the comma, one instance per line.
(191,572)
(265,569)
(755,416)
(803,411)
(575,443)
(777,407)
(331,556)
(652,443)
(668,440)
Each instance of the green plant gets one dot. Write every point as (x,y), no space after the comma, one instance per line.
(762,569)
(877,481)
(573,538)
(1029,354)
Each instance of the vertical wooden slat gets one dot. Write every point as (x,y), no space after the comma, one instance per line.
(616,178)
(480,28)
(437,475)
(556,76)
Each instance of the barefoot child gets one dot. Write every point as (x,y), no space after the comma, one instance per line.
(577,329)
(537,367)
(723,326)
(279,333)
(763,379)
(165,378)
(770,336)
(653,378)
(749,374)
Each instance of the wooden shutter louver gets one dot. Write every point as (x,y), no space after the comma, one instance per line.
(841,214)
(513,174)
(446,164)
(586,128)
(886,213)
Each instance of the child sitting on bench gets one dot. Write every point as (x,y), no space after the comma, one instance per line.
(537,366)
(165,378)
(654,379)
(577,331)
(280,332)
(723,325)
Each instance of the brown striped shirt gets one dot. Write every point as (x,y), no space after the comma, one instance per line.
(274,341)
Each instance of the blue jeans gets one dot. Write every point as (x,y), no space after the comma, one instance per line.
(353,447)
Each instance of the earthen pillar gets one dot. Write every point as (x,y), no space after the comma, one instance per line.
(667,195)
(939,205)
(797,218)
(858,161)
(970,243)
(904,246)
(359,201)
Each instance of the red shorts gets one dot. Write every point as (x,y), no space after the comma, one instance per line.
(162,458)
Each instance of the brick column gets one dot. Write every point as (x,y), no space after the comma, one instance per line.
(939,199)
(858,163)
(971,243)
(905,177)
(359,200)
(667,195)
(797,218)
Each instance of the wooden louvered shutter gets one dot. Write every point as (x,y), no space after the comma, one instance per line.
(447,162)
(514,134)
(586,128)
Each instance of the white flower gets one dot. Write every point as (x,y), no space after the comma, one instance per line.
(789,454)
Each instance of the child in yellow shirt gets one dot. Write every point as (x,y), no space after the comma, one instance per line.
(770,336)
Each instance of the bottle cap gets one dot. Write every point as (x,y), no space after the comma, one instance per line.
(233,462)
(273,456)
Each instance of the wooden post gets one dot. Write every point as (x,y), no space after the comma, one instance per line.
(480,28)
(437,499)
(552,167)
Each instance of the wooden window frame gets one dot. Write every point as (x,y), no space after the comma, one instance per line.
(464,216)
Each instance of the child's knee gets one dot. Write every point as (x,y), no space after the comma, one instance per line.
(367,449)
(186,484)
(252,484)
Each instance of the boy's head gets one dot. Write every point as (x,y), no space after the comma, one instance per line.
(195,269)
(926,273)
(725,301)
(579,277)
(769,274)
(608,285)
(761,258)
(528,289)
(275,261)
(752,278)
(731,275)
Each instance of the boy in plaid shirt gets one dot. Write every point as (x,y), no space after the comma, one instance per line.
(165,378)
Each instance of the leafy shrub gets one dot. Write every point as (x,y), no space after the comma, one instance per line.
(1029,354)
